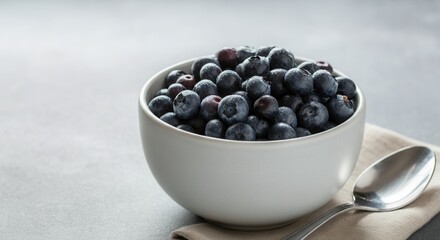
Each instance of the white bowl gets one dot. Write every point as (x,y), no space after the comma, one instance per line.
(248,185)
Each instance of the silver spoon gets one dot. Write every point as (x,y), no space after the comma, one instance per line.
(389,184)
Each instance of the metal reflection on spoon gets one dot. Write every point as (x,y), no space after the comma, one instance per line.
(388,184)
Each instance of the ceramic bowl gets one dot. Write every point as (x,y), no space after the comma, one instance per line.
(243,184)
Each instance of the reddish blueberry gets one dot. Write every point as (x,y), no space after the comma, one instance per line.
(228,58)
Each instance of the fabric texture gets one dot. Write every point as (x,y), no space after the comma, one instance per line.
(398,224)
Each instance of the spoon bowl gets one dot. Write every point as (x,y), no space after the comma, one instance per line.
(395,180)
(388,184)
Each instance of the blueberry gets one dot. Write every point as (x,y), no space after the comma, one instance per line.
(325,66)
(171,118)
(240,70)
(259,125)
(256,87)
(205,88)
(346,87)
(280,131)
(199,63)
(232,109)
(264,50)
(228,82)
(329,125)
(244,52)
(188,81)
(186,105)
(276,79)
(175,89)
(198,124)
(255,66)
(246,97)
(186,127)
(313,116)
(312,97)
(324,83)
(210,71)
(240,131)
(310,67)
(340,108)
(266,106)
(298,81)
(162,91)
(173,76)
(280,58)
(228,58)
(161,105)
(285,115)
(302,132)
(243,85)
(292,101)
(209,106)
(215,128)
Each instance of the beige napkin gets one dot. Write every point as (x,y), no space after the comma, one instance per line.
(398,224)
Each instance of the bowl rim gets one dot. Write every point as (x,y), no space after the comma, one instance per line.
(142,104)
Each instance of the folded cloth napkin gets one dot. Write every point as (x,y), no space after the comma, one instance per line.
(398,224)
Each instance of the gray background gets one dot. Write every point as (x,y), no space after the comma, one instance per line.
(71,162)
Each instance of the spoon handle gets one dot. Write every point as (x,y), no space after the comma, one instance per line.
(304,231)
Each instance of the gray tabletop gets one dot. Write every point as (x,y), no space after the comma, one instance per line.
(71,162)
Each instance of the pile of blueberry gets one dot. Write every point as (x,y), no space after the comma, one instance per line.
(251,94)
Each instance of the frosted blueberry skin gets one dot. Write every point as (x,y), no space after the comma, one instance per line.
(264,50)
(280,58)
(160,105)
(325,66)
(240,71)
(233,109)
(244,52)
(285,115)
(310,67)
(292,101)
(209,106)
(186,105)
(173,76)
(313,116)
(346,87)
(240,131)
(276,80)
(188,81)
(246,97)
(186,127)
(266,107)
(171,118)
(210,71)
(340,108)
(329,125)
(313,97)
(175,89)
(280,131)
(228,82)
(260,126)
(162,91)
(255,66)
(198,124)
(302,132)
(256,87)
(298,81)
(227,57)
(324,83)
(199,63)
(215,128)
(205,88)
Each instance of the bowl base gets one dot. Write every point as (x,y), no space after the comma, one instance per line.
(251,227)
